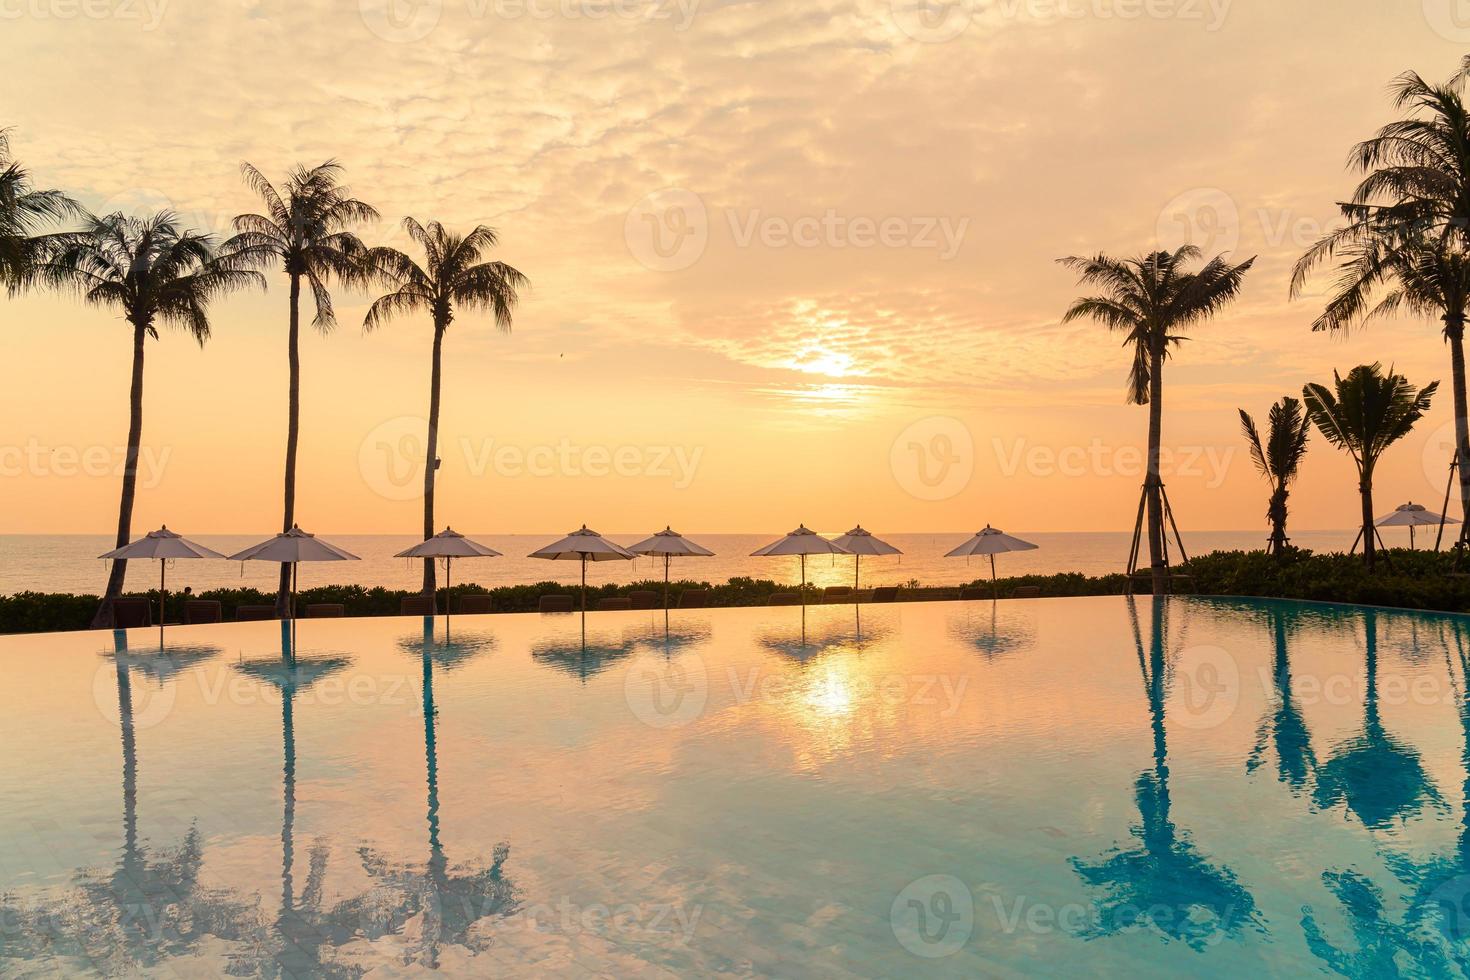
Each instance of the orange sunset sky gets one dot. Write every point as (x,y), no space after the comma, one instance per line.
(790,261)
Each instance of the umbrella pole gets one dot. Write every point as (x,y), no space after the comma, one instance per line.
(803,592)
(857,568)
(162,597)
(584,589)
(1411,537)
(447,597)
(666,583)
(994,587)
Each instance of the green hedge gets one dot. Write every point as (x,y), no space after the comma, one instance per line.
(1409,579)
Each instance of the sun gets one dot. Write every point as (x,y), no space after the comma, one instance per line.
(821,360)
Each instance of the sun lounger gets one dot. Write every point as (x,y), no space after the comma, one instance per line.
(416,605)
(555,604)
(644,600)
(203,611)
(326,610)
(615,602)
(783,599)
(474,605)
(131,613)
(693,599)
(252,614)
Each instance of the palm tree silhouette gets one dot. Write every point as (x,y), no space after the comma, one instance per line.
(1163,869)
(154,271)
(1151,299)
(454,276)
(1408,229)
(1363,415)
(304,231)
(1278,459)
(24,212)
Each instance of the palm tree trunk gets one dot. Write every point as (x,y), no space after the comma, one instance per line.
(1278,521)
(1455,333)
(432,455)
(1154,481)
(293,433)
(103,618)
(1365,489)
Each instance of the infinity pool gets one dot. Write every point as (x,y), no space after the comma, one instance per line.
(1079,786)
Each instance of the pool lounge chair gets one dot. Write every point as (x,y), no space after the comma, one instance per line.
(475,604)
(615,602)
(254,614)
(131,613)
(783,599)
(644,600)
(554,604)
(326,610)
(416,605)
(694,599)
(203,611)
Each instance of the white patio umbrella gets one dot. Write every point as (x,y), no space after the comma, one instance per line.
(163,545)
(448,544)
(861,542)
(803,541)
(1412,515)
(668,544)
(291,548)
(584,545)
(991,542)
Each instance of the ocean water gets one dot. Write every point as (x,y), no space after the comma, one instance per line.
(1058,787)
(68,563)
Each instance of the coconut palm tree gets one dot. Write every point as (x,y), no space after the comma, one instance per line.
(1278,459)
(1366,413)
(152,270)
(1407,229)
(24,211)
(455,276)
(1150,300)
(305,232)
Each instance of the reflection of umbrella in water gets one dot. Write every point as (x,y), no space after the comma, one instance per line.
(452,652)
(668,544)
(831,636)
(663,638)
(991,542)
(580,656)
(1162,869)
(1378,778)
(992,637)
(859,542)
(163,546)
(448,544)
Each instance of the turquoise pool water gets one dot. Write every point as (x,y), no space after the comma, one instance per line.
(1063,787)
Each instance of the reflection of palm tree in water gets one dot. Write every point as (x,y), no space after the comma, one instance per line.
(1431,937)
(1282,725)
(1163,882)
(151,907)
(302,926)
(1379,779)
(447,904)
